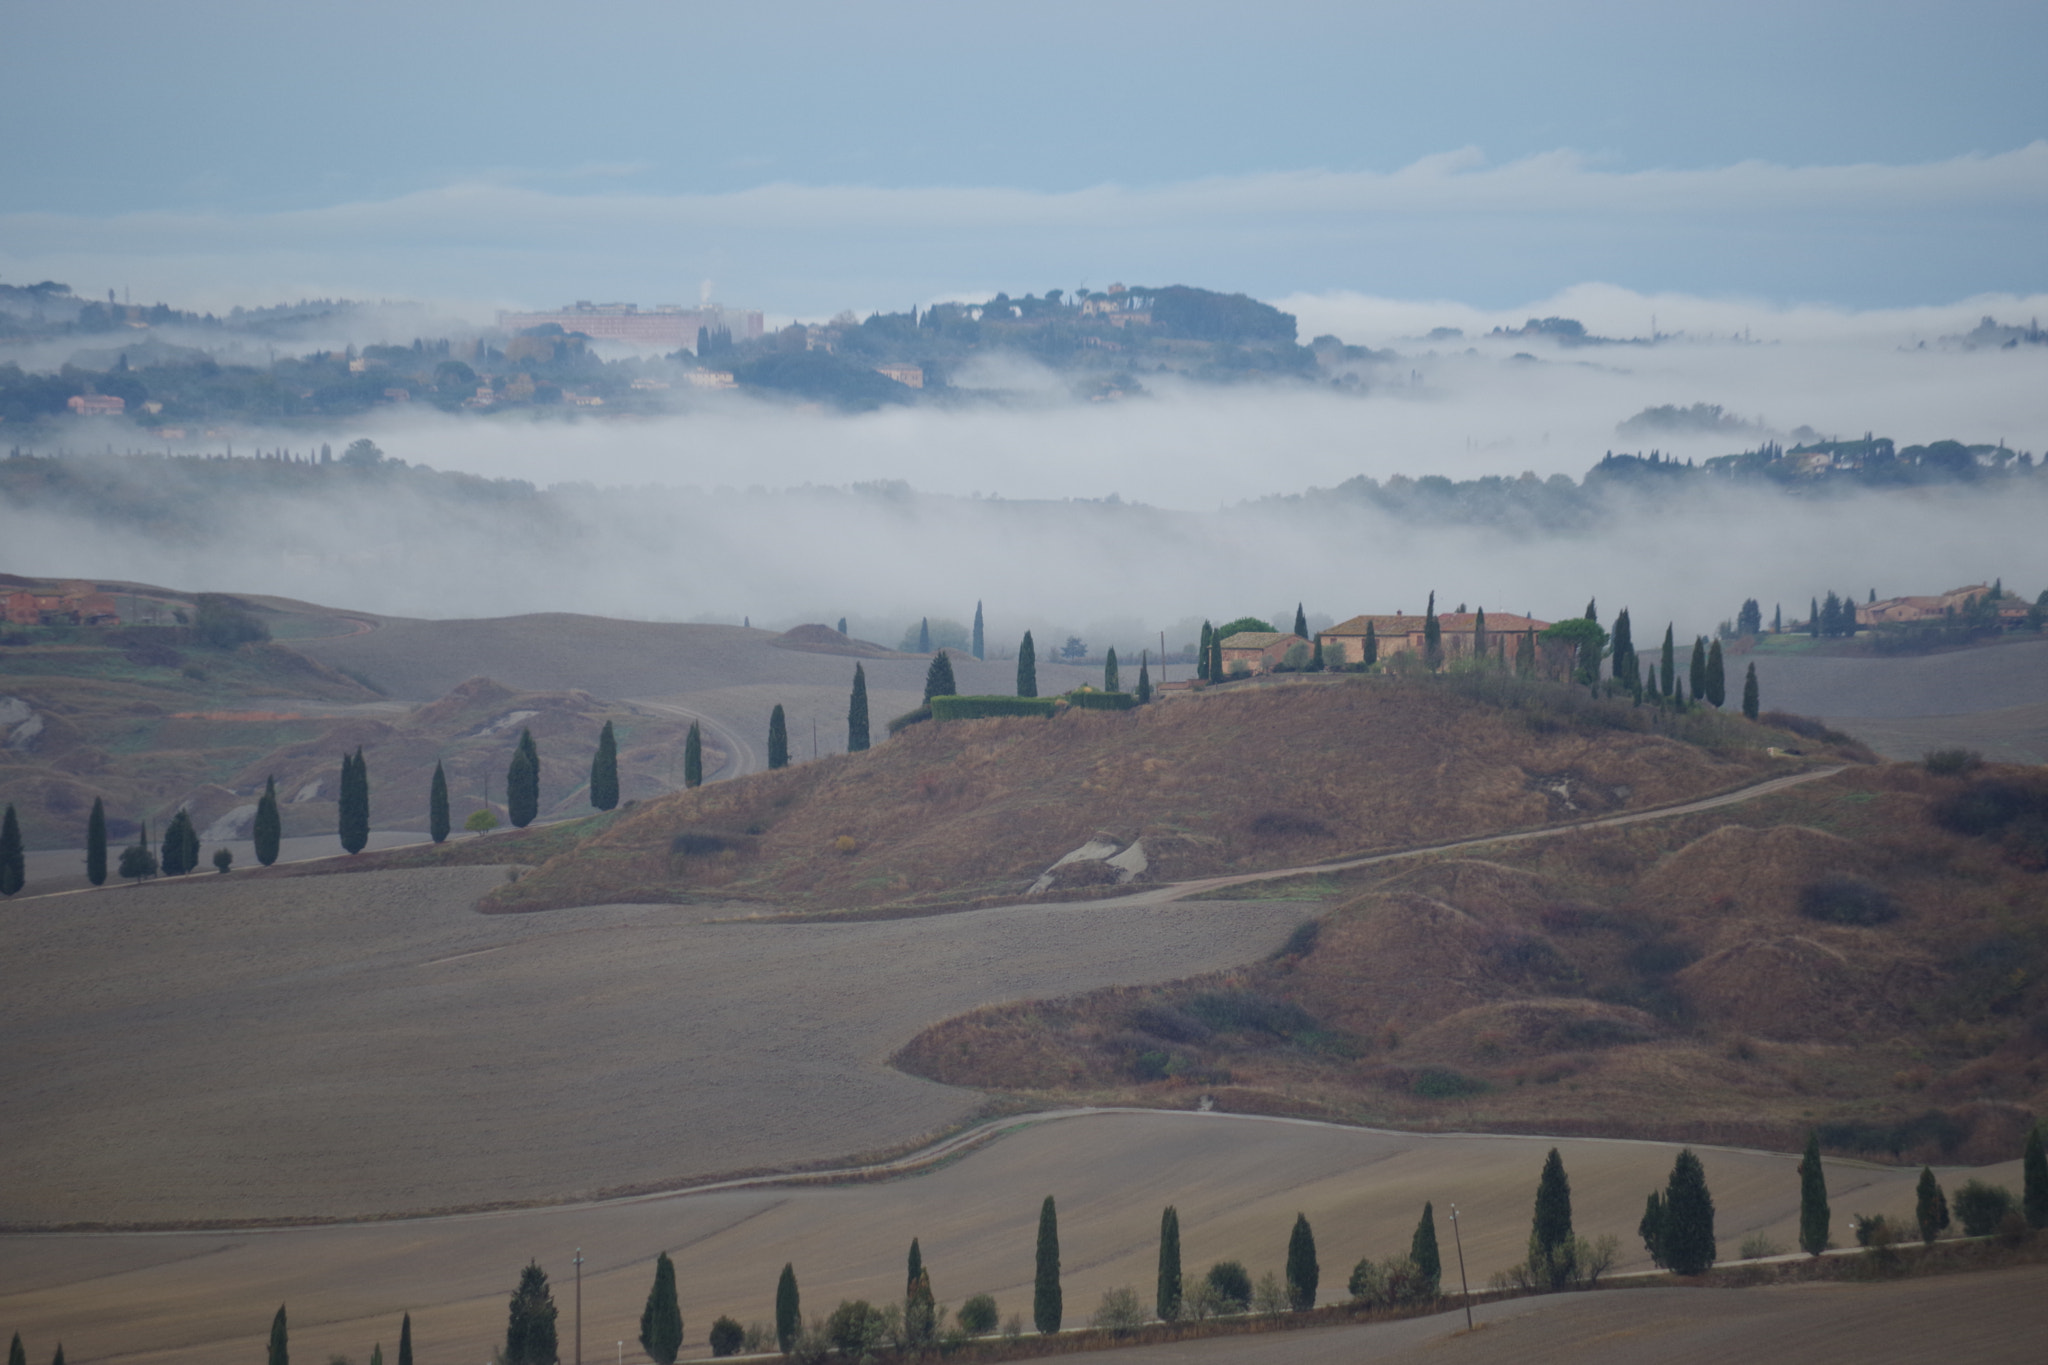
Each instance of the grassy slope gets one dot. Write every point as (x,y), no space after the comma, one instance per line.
(1233,780)
(1653,980)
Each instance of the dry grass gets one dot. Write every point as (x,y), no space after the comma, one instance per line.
(1232,781)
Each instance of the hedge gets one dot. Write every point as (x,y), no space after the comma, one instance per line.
(977,708)
(1104,701)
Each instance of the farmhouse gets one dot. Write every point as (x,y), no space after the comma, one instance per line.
(1258,650)
(1401,632)
(1894,611)
(75,604)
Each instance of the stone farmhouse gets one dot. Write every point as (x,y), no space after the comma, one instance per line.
(1258,650)
(1402,632)
(73,604)
(1907,610)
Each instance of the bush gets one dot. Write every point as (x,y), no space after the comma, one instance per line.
(727,1337)
(1576,1264)
(1251,1012)
(1270,1296)
(910,718)
(1871,1230)
(1980,1208)
(1119,1312)
(978,1316)
(1232,1285)
(1847,900)
(1952,762)
(980,708)
(1093,701)
(481,821)
(1394,1283)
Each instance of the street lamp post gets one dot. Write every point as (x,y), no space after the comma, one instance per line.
(1463,1284)
(579,1305)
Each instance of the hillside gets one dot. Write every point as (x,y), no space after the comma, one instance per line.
(1236,779)
(1868,953)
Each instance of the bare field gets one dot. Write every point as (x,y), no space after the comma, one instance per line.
(2011,734)
(187,1298)
(228,1049)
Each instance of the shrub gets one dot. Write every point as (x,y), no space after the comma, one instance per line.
(1756,1246)
(1576,1264)
(1393,1283)
(2012,1229)
(980,708)
(1119,1312)
(1952,762)
(856,1328)
(1980,1207)
(1847,900)
(978,1316)
(1251,1012)
(910,718)
(1871,1230)
(1088,701)
(1232,1285)
(1269,1295)
(481,821)
(727,1337)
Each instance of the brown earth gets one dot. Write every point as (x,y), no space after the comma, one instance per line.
(1678,978)
(1225,781)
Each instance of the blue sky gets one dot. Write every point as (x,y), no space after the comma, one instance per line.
(808,157)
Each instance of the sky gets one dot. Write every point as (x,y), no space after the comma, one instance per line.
(808,157)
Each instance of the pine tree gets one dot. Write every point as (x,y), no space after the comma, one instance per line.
(661,1321)
(1479,635)
(2034,1180)
(979,651)
(1813,1199)
(778,739)
(267,832)
(1668,661)
(1045,1287)
(405,1340)
(280,1340)
(938,678)
(1027,668)
(1432,637)
(924,635)
(1930,1206)
(857,713)
(1202,654)
(1525,653)
(789,1317)
(13,857)
(530,1321)
(437,806)
(1372,646)
(96,844)
(1302,1271)
(1751,701)
(1717,678)
(913,1265)
(693,755)
(1422,1250)
(1689,1247)
(1550,1234)
(1166,1300)
(1144,677)
(604,770)
(1110,681)
(1698,671)
(1300,622)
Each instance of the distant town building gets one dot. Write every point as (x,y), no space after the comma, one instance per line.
(98,405)
(73,604)
(669,326)
(911,376)
(710,379)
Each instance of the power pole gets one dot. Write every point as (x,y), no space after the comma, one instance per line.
(1463,1284)
(579,1305)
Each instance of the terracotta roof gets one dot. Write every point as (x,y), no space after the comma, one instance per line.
(1453,622)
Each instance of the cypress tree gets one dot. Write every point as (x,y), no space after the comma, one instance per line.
(1813,1199)
(938,678)
(530,1321)
(96,844)
(1668,661)
(522,789)
(920,1310)
(1651,1229)
(857,713)
(1202,654)
(1525,653)
(693,755)
(1651,686)
(604,770)
(13,858)
(405,1340)
(842,625)
(1144,677)
(1479,634)
(437,806)
(1372,646)
(1930,1206)
(778,739)
(1698,670)
(1303,1274)
(16,1354)
(181,845)
(661,1321)
(1045,1287)
(1216,673)
(1717,678)
(377,1354)
(913,1266)
(268,830)
(1432,637)
(1027,668)
(355,812)
(1422,1250)
(1110,681)
(1166,1301)
(58,1359)
(2034,1180)
(789,1317)
(1300,622)
(924,635)
(1315,660)
(1592,611)
(1689,1247)
(979,651)
(1550,1234)
(1778,619)
(1751,701)
(1813,617)
(1626,670)
(280,1340)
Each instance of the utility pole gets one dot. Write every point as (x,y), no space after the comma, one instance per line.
(1462,1282)
(579,1305)
(1162,656)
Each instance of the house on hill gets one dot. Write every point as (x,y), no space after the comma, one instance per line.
(1260,651)
(74,604)
(1402,632)
(1893,611)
